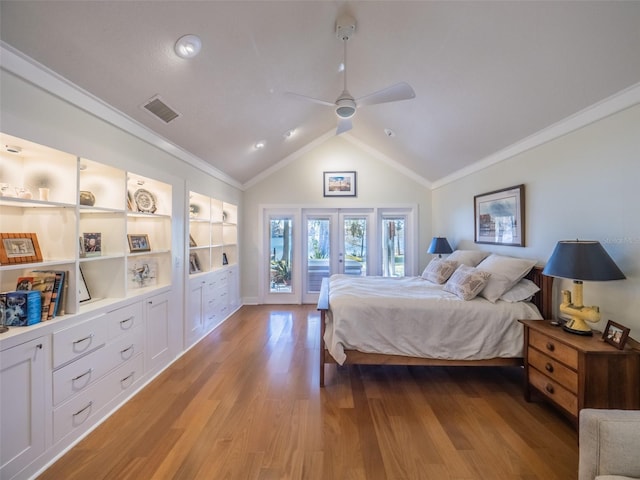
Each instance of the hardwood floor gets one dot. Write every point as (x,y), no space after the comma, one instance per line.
(245,404)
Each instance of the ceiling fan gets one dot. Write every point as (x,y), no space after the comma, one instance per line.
(346,105)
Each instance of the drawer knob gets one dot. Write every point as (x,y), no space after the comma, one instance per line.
(550,346)
(549,368)
(549,388)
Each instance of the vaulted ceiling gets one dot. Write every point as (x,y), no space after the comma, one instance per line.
(485,74)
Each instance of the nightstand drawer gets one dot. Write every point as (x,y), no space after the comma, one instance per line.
(553,369)
(554,391)
(555,349)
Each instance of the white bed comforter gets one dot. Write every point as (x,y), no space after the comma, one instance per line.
(414,317)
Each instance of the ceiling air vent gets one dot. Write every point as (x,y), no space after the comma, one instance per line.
(161,110)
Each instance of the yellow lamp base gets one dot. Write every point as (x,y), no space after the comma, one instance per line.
(577,326)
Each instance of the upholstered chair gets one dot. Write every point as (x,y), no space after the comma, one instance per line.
(609,444)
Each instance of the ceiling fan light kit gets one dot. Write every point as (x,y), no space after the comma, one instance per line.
(346,105)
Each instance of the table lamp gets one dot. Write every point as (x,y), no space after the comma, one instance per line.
(439,245)
(578,261)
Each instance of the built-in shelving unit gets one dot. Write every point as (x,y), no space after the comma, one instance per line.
(213,234)
(62,198)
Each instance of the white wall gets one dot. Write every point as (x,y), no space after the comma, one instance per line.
(583,185)
(300,184)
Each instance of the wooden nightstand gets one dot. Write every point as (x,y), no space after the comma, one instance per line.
(576,372)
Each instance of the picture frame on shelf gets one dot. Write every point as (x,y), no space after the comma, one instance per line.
(81,251)
(194,263)
(83,289)
(225,260)
(192,242)
(339,184)
(616,334)
(16,248)
(92,244)
(499,217)
(143,274)
(138,242)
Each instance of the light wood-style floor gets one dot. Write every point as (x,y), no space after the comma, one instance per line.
(245,404)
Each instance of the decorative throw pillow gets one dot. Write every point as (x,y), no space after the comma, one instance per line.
(468,257)
(439,270)
(505,273)
(520,292)
(466,282)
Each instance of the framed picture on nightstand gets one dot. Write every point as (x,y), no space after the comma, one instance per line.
(616,334)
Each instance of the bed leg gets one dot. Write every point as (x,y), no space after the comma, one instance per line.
(322,320)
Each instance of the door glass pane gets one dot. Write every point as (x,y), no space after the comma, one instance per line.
(281,248)
(318,248)
(355,246)
(393,247)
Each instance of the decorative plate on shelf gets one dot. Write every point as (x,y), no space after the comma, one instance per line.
(145,201)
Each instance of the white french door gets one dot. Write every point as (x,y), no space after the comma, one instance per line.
(303,246)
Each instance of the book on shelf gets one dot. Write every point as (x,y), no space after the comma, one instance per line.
(56,303)
(44,284)
(21,308)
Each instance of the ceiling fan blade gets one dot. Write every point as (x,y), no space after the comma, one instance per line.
(344,125)
(310,99)
(399,91)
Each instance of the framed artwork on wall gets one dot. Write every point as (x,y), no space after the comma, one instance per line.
(339,184)
(499,217)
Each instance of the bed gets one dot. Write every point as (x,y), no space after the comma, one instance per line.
(408,336)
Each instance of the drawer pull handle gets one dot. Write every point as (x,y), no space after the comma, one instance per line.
(83,409)
(550,346)
(126,320)
(82,375)
(84,339)
(549,368)
(549,388)
(39,346)
(127,377)
(127,349)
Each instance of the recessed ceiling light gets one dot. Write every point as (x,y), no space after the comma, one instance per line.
(188,46)
(260,145)
(289,133)
(341,68)
(389,133)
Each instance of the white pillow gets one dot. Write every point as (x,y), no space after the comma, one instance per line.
(505,273)
(439,270)
(470,258)
(466,282)
(520,292)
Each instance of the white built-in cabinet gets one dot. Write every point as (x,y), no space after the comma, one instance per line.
(60,378)
(23,406)
(212,288)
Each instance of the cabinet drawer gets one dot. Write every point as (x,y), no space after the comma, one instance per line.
(554,391)
(80,410)
(125,319)
(556,350)
(553,369)
(78,340)
(79,375)
(124,348)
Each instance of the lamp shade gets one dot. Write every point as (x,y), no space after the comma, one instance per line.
(582,260)
(439,245)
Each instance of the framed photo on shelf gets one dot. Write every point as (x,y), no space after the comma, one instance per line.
(225,260)
(616,334)
(499,217)
(192,242)
(139,243)
(92,244)
(194,263)
(83,290)
(19,248)
(339,184)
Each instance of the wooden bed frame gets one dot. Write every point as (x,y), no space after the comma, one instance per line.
(542,300)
